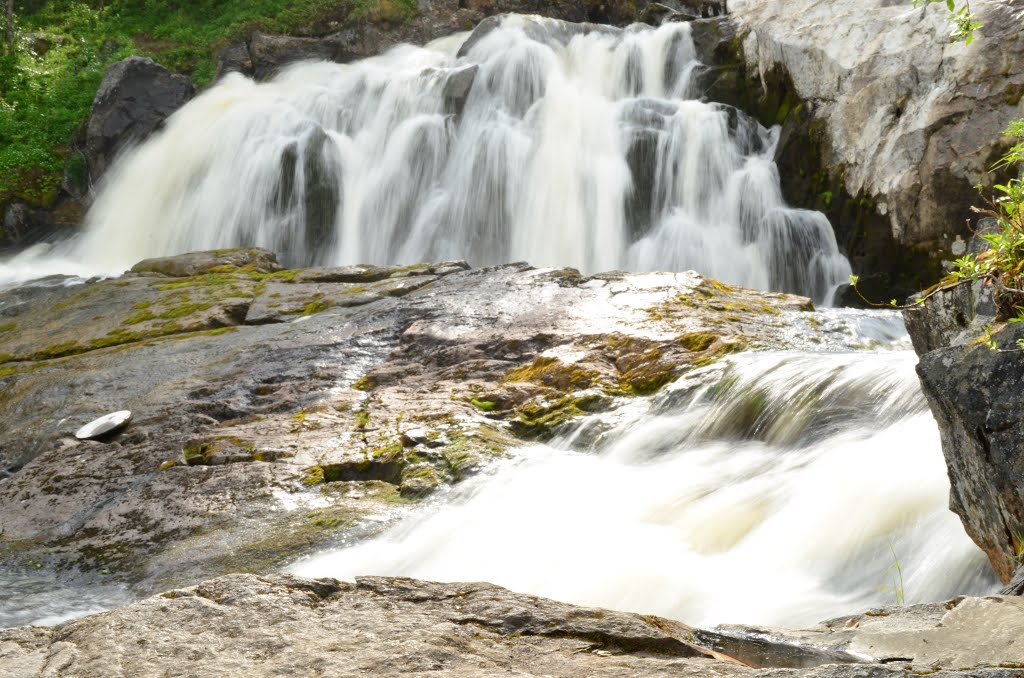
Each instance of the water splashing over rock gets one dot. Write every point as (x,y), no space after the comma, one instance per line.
(562,144)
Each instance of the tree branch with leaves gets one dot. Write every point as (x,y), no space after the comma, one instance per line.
(962,18)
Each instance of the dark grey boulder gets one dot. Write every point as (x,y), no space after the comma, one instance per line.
(952,317)
(233,59)
(457,87)
(268,54)
(974,394)
(134,99)
(23,225)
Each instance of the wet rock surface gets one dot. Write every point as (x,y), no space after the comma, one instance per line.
(269,625)
(910,120)
(957,635)
(276,410)
(971,390)
(971,368)
(23,225)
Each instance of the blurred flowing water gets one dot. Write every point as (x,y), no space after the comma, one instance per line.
(42,598)
(774,488)
(777,488)
(534,142)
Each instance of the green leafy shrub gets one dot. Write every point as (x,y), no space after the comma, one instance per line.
(45,94)
(964,21)
(1002,263)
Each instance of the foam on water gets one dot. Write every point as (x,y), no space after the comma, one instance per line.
(569,149)
(776,489)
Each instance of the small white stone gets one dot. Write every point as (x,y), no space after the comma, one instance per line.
(103,425)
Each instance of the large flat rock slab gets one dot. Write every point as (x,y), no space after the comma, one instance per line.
(263,626)
(277,411)
(279,624)
(964,634)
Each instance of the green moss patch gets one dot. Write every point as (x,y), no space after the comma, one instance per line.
(696,341)
(484,405)
(553,373)
(541,421)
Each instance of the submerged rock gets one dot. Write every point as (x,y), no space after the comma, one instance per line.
(546,31)
(276,409)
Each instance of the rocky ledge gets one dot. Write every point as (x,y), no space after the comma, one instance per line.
(275,411)
(971,370)
(905,121)
(277,625)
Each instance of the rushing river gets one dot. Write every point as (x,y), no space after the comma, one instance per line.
(774,488)
(778,488)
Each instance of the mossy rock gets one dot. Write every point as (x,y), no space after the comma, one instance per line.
(536,421)
(243,259)
(553,373)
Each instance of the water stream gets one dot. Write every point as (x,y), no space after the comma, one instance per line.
(536,142)
(774,488)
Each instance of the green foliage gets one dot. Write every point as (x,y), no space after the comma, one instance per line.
(964,21)
(896,574)
(1018,547)
(1002,264)
(45,97)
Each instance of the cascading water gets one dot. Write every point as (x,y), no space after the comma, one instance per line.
(773,488)
(536,141)
(778,488)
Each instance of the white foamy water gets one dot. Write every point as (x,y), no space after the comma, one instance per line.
(773,488)
(583,150)
(777,492)
(44,260)
(40,599)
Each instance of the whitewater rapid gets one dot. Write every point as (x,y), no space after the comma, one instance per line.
(774,488)
(537,141)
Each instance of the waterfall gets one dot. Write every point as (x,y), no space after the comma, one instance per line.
(773,488)
(559,144)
